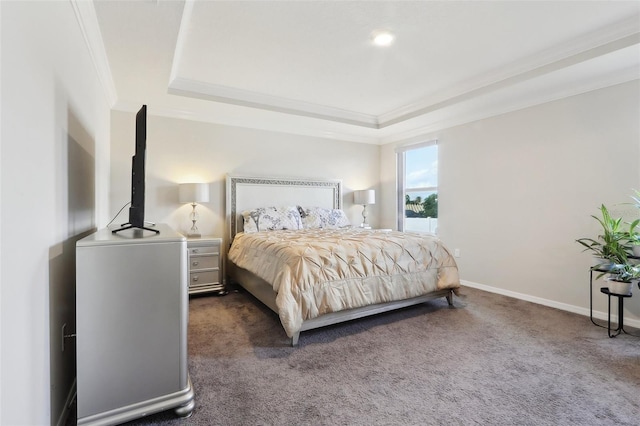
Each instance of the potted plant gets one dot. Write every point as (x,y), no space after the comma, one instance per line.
(621,277)
(634,237)
(617,249)
(612,246)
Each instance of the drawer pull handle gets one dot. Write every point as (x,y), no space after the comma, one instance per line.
(195,278)
(195,263)
(195,250)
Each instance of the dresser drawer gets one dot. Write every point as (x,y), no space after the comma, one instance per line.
(204,262)
(204,250)
(204,278)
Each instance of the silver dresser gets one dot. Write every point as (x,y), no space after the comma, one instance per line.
(131,324)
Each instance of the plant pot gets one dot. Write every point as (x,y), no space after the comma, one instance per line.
(619,287)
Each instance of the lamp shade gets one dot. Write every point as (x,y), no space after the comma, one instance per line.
(194,192)
(364,197)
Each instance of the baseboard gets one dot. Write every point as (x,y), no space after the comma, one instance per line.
(546,302)
(64,416)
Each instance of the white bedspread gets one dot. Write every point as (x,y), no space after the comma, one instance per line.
(318,271)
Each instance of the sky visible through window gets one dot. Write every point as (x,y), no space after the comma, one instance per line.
(421,168)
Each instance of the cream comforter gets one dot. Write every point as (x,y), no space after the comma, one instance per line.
(315,272)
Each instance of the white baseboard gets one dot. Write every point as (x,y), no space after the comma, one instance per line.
(64,416)
(551,303)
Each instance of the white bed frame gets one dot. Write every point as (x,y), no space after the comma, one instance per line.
(247,193)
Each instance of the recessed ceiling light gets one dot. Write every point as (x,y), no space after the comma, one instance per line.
(382,38)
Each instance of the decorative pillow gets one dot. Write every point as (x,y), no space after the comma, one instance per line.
(318,217)
(271,219)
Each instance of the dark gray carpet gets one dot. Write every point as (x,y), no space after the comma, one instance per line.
(490,360)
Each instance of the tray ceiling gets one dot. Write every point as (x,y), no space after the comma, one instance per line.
(311,68)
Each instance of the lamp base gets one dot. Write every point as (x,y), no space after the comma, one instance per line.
(364,224)
(194,232)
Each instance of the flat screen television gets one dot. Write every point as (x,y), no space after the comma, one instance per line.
(136,210)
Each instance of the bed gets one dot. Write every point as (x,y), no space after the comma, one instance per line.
(292,248)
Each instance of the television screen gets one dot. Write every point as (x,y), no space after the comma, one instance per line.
(136,211)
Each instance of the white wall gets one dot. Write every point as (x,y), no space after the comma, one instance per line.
(181,151)
(54,136)
(517,190)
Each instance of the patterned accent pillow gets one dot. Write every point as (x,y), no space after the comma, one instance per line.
(318,217)
(271,219)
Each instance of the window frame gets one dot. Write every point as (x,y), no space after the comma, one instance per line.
(401,190)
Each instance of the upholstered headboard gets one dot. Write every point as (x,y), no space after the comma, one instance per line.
(247,193)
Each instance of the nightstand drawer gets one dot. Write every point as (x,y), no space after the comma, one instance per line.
(204,250)
(204,262)
(205,277)
(205,265)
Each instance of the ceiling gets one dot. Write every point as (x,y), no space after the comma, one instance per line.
(310,68)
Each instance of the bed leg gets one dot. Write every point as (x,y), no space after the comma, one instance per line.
(450,298)
(294,339)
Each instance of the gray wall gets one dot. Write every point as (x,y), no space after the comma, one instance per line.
(55,133)
(518,189)
(181,151)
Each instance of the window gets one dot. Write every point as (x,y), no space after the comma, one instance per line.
(418,187)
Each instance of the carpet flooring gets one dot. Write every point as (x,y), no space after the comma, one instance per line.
(489,360)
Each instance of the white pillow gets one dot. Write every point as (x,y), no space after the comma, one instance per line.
(271,219)
(318,217)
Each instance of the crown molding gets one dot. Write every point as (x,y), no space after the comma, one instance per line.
(420,133)
(232,119)
(545,66)
(88,21)
(229,95)
(187,11)
(402,137)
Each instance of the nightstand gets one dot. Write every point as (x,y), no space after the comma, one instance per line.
(205,266)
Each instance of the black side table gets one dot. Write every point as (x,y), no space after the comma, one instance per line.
(620,297)
(600,271)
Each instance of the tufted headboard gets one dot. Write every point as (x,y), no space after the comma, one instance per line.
(247,193)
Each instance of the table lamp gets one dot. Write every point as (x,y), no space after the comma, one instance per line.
(194,193)
(364,197)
